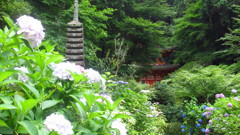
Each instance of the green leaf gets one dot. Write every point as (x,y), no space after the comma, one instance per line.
(49,103)
(94,115)
(120,116)
(7,106)
(54,58)
(6,99)
(5,74)
(116,103)
(29,126)
(9,82)
(3,124)
(28,104)
(9,21)
(27,88)
(6,131)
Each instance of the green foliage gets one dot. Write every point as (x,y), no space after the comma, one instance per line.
(148,118)
(232,40)
(24,105)
(14,9)
(173,129)
(145,36)
(55,16)
(196,32)
(193,120)
(163,95)
(190,35)
(112,61)
(154,10)
(201,82)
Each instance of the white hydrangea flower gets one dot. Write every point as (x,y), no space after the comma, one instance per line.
(145,91)
(22,77)
(62,70)
(95,77)
(120,126)
(58,123)
(31,29)
(106,96)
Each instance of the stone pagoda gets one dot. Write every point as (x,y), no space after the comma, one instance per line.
(74,43)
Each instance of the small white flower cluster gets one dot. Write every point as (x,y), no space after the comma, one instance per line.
(154,112)
(120,126)
(62,70)
(106,96)
(22,77)
(95,77)
(145,91)
(58,123)
(31,29)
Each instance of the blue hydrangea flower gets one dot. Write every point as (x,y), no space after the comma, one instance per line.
(183,126)
(183,115)
(183,130)
(203,130)
(198,125)
(190,130)
(203,115)
(200,120)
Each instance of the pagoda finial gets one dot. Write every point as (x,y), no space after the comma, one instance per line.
(75,13)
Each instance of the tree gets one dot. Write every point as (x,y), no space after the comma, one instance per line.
(232,41)
(14,9)
(197,31)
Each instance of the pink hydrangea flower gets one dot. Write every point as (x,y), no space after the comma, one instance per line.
(221,95)
(207,130)
(226,115)
(229,105)
(217,95)
(210,122)
(209,109)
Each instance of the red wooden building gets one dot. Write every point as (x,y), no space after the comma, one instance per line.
(159,70)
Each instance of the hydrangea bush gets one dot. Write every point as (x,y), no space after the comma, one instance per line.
(225,116)
(147,118)
(41,94)
(222,117)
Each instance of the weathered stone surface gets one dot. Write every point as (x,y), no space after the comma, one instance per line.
(75,40)
(76,45)
(75,51)
(75,57)
(74,34)
(75,24)
(74,30)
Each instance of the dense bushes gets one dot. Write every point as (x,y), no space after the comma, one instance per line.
(201,82)
(40,93)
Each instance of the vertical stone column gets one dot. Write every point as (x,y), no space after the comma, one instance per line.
(75,40)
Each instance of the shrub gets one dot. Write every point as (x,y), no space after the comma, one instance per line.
(225,118)
(42,94)
(147,117)
(201,82)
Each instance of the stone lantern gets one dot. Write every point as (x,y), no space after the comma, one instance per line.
(75,42)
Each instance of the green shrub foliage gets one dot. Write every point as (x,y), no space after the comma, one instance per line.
(202,83)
